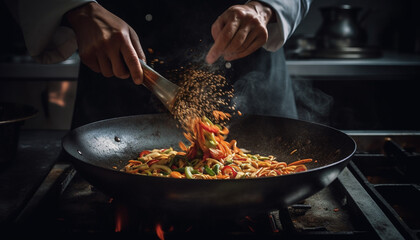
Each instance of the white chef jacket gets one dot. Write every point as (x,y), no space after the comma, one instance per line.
(48,41)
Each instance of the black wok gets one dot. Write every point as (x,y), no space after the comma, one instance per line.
(100,149)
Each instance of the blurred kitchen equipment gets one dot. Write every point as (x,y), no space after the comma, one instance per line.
(341,28)
(12,117)
(300,46)
(341,34)
(164,89)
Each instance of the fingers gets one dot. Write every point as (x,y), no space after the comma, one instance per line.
(245,41)
(217,27)
(241,47)
(250,49)
(136,44)
(222,39)
(238,32)
(121,62)
(106,43)
(91,61)
(240,42)
(132,61)
(105,65)
(119,68)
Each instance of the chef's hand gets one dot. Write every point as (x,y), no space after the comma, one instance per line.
(106,43)
(239,31)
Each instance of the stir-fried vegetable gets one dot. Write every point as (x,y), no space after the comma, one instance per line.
(209,156)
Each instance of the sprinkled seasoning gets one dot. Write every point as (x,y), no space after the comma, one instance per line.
(200,94)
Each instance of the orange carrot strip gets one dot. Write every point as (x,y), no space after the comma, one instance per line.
(175,174)
(221,176)
(135,161)
(188,137)
(300,161)
(182,146)
(226,146)
(225,131)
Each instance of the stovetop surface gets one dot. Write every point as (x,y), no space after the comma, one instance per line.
(37,152)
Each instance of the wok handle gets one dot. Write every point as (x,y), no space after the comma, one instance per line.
(164,89)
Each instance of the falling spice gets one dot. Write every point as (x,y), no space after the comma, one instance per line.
(201,93)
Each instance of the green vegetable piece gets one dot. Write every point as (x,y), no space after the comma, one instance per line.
(188,173)
(216,168)
(209,170)
(168,150)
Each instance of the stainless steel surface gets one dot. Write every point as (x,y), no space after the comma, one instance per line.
(347,53)
(373,141)
(22,67)
(164,89)
(392,66)
(389,66)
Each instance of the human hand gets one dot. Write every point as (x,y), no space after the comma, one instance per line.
(106,43)
(239,31)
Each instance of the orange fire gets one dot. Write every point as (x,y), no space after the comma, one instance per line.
(121,217)
(159,232)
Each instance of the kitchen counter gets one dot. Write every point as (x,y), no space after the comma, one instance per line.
(390,66)
(24,68)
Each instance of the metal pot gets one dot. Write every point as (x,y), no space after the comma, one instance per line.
(12,117)
(340,28)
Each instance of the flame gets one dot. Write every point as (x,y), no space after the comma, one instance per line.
(159,232)
(121,217)
(118,223)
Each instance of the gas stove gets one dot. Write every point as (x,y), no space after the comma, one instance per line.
(375,197)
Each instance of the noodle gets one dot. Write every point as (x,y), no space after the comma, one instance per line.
(209,156)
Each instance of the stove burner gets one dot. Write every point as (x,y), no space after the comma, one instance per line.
(392,180)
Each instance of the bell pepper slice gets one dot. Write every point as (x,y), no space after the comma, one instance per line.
(209,128)
(216,154)
(143,153)
(151,162)
(206,155)
(228,170)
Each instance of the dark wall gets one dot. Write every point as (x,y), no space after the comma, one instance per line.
(11,40)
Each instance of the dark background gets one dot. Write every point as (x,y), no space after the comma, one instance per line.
(350,103)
